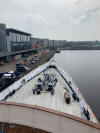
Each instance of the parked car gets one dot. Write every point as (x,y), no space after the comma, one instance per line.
(4,83)
(22,69)
(18,65)
(27,68)
(1,74)
(37,59)
(8,76)
(32,60)
(17,73)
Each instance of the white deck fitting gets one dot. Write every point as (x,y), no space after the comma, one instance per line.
(56,101)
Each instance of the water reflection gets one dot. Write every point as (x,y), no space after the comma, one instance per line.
(84,67)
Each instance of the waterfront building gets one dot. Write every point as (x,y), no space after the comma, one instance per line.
(13,40)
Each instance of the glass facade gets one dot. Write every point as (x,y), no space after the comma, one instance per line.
(17,37)
(11,36)
(28,38)
(14,37)
(21,38)
(19,41)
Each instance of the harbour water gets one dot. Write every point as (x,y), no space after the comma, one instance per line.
(84,68)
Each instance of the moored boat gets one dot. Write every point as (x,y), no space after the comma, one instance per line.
(58,50)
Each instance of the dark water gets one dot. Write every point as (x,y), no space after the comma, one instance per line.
(84,68)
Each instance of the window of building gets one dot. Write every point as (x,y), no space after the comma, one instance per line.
(18,37)
(11,36)
(28,39)
(24,38)
(21,38)
(14,37)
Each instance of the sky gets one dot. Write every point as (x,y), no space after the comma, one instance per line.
(71,20)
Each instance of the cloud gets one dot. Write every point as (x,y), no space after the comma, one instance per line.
(91,12)
(54,19)
(78,2)
(86,16)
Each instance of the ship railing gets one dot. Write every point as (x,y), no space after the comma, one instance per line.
(16,85)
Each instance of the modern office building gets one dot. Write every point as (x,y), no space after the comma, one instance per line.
(3,44)
(12,40)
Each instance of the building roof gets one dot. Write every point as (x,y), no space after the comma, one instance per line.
(17,31)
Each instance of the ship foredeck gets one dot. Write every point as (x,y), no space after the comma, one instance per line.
(45,99)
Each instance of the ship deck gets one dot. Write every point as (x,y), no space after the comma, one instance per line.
(56,101)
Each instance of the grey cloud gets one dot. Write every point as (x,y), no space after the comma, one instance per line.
(78,2)
(89,14)
(86,16)
(50,18)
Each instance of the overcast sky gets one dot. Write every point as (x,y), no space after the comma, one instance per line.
(53,19)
